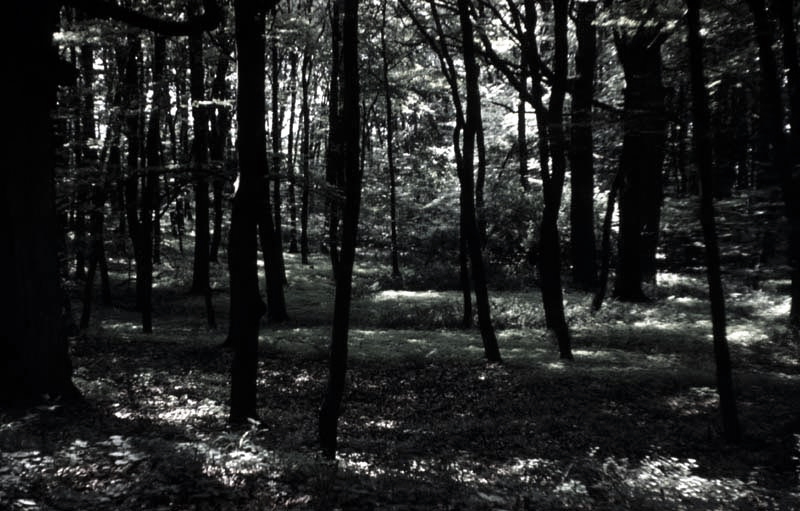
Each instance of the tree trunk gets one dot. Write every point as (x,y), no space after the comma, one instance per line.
(331,406)
(791,173)
(642,159)
(138,212)
(275,174)
(290,159)
(730,420)
(202,238)
(34,355)
(246,305)
(305,154)
(390,126)
(584,264)
(218,143)
(471,128)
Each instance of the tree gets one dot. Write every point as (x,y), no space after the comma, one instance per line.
(246,305)
(551,143)
(644,125)
(785,159)
(581,148)
(472,127)
(390,158)
(351,190)
(703,157)
(34,357)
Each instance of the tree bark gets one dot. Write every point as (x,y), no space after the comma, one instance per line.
(34,355)
(584,252)
(641,193)
(305,154)
(218,143)
(350,126)
(246,305)
(727,400)
(466,180)
(390,127)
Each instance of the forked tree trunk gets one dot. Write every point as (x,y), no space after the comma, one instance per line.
(465,175)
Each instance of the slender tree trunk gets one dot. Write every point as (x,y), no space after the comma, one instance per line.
(331,406)
(390,126)
(584,264)
(290,153)
(605,252)
(217,148)
(202,239)
(727,400)
(275,174)
(137,206)
(471,128)
(305,154)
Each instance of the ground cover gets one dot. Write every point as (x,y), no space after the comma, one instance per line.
(630,424)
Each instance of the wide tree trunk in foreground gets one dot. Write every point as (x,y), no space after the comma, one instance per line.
(246,305)
(34,359)
(703,156)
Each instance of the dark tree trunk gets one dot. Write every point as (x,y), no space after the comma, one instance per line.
(275,174)
(702,145)
(642,159)
(552,140)
(469,214)
(331,406)
(584,252)
(202,238)
(390,127)
(246,305)
(788,157)
(218,143)
(155,150)
(305,154)
(34,357)
(334,164)
(522,145)
(290,159)
(605,251)
(137,205)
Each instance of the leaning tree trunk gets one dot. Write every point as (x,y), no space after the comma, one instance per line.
(727,400)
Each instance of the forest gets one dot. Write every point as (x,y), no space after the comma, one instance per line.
(401,254)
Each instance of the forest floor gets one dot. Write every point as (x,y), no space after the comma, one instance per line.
(631,423)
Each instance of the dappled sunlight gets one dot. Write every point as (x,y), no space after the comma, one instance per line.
(412,295)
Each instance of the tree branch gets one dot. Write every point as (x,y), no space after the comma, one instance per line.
(209,20)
